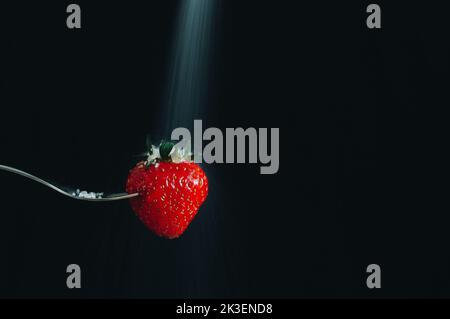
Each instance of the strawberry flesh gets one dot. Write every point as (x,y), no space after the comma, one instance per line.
(170,195)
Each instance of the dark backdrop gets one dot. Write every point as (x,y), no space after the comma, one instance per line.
(359,113)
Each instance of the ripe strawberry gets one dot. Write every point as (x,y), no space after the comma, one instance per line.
(170,192)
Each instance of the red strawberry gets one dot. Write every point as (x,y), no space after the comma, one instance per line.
(170,193)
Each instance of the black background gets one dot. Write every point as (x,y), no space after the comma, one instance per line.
(360,118)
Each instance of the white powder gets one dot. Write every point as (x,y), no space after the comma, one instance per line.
(88,195)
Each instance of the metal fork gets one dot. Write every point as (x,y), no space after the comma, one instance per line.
(74,194)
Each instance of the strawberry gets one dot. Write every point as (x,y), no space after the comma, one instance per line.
(171,190)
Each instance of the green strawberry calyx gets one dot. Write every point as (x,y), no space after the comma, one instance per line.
(168,152)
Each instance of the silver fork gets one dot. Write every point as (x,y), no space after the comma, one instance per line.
(75,194)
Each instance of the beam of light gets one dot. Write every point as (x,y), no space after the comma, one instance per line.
(186,100)
(188,82)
